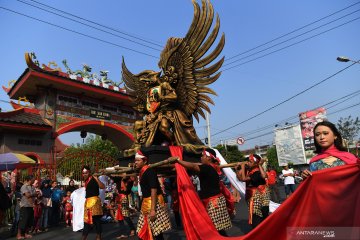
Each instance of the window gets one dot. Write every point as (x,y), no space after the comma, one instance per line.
(31,142)
(90,104)
(68,99)
(108,108)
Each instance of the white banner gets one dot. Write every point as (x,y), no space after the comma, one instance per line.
(231,142)
(289,145)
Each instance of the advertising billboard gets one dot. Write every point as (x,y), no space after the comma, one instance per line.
(308,120)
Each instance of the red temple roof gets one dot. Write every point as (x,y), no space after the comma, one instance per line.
(23,116)
(34,77)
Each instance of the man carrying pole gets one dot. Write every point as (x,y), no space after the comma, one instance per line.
(210,193)
(154,218)
(93,209)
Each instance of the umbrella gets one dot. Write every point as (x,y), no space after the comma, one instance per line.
(10,161)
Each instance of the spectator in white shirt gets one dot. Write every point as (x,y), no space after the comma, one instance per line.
(289,180)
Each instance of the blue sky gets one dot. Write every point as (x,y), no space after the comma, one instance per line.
(243,91)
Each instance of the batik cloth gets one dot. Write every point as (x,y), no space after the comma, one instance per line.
(257,198)
(218,212)
(146,228)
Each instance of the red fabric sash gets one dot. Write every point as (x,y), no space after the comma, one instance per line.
(347,157)
(250,192)
(230,201)
(251,172)
(142,170)
(87,181)
(145,231)
(213,199)
(118,215)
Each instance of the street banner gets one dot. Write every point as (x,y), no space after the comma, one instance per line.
(308,120)
(289,145)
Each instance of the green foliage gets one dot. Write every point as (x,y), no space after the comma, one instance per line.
(273,159)
(349,128)
(230,153)
(95,143)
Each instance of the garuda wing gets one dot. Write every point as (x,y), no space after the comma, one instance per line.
(184,65)
(134,87)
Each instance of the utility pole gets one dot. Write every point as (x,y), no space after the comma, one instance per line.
(208,128)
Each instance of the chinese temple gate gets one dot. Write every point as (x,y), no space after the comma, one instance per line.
(59,102)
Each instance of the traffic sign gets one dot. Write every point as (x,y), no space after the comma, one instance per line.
(240,140)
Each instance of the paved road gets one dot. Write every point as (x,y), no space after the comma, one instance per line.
(110,230)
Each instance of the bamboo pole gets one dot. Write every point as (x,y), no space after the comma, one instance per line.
(168,163)
(164,164)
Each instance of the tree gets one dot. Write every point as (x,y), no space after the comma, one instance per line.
(349,128)
(271,155)
(95,143)
(230,153)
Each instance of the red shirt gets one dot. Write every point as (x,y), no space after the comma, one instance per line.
(271,177)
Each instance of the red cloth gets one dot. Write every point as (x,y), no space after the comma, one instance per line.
(347,157)
(230,201)
(37,211)
(329,198)
(118,214)
(145,231)
(67,204)
(196,221)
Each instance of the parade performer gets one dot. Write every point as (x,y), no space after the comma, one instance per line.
(330,150)
(78,202)
(93,209)
(210,192)
(257,194)
(122,210)
(154,218)
(68,209)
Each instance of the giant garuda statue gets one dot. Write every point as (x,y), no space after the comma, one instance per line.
(170,97)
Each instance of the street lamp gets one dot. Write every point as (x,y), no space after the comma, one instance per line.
(346,59)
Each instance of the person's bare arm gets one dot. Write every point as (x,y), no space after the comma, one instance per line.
(153,204)
(306,173)
(190,166)
(240,174)
(262,172)
(101,185)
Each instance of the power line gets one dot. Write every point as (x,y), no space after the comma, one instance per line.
(79,33)
(316,21)
(347,97)
(292,38)
(116,35)
(286,100)
(278,50)
(340,110)
(98,24)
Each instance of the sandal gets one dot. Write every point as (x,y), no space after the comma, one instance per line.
(28,236)
(20,237)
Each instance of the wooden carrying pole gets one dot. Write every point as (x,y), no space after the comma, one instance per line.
(165,163)
(168,163)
